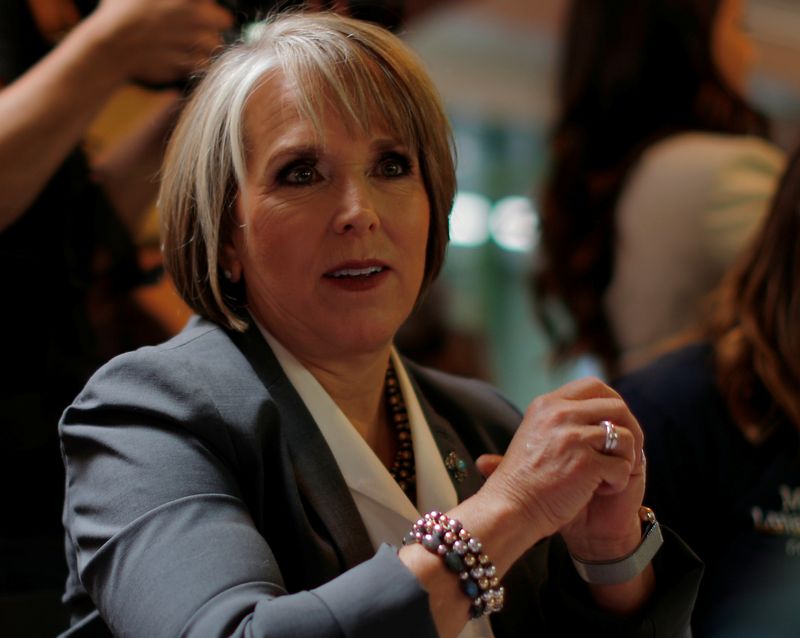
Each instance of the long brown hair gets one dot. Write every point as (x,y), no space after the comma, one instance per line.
(632,73)
(755,319)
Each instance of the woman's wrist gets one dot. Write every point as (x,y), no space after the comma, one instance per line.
(624,583)
(606,548)
(448,605)
(464,556)
(506,533)
(484,520)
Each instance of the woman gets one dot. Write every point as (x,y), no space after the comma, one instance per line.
(660,172)
(255,475)
(722,419)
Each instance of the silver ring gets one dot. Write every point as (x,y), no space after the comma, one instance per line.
(612,437)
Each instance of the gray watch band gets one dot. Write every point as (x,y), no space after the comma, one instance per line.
(613,572)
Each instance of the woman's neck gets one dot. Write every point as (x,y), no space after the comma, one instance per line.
(357,387)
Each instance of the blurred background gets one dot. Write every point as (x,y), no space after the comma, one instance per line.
(494,62)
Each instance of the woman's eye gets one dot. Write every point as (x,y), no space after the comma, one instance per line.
(299,175)
(394,165)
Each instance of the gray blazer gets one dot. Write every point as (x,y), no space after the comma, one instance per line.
(202,500)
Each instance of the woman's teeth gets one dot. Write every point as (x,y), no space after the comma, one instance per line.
(356,272)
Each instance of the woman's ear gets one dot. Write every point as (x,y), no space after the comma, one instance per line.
(229,262)
(230,246)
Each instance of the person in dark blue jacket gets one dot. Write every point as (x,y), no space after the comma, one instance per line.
(722,427)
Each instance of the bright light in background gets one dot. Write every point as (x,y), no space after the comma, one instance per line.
(514,224)
(469,221)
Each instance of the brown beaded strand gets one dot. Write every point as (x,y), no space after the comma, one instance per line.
(403,468)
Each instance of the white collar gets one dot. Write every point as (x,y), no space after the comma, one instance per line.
(363,471)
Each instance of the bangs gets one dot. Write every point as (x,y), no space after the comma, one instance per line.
(358,83)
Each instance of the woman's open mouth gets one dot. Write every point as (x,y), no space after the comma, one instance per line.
(355,272)
(357,277)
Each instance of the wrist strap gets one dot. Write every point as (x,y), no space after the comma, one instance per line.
(463,554)
(620,570)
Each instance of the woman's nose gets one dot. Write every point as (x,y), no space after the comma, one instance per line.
(357,212)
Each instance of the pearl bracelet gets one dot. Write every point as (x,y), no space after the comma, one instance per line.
(462,553)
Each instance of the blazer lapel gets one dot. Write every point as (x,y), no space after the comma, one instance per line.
(318,476)
(448,442)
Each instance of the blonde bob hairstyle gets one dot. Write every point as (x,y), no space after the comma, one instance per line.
(362,71)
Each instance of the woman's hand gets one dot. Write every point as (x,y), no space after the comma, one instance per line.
(561,433)
(609,526)
(556,474)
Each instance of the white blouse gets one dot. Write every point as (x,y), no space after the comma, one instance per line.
(387,512)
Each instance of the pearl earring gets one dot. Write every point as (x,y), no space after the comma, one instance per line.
(228,274)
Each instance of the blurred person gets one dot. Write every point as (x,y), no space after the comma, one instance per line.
(60,217)
(256,474)
(660,172)
(722,421)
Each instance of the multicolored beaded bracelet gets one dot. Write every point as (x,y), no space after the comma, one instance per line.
(463,554)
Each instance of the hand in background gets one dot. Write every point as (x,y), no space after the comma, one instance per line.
(163,41)
(45,113)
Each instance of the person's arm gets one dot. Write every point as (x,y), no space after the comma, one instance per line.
(128,171)
(45,113)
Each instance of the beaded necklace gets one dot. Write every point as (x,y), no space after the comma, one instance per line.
(403,468)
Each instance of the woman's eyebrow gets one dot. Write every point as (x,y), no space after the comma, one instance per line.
(389,143)
(292,151)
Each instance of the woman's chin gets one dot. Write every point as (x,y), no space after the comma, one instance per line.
(362,342)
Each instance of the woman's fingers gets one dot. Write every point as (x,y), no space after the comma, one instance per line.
(487,464)
(562,457)
(557,411)
(585,388)
(589,397)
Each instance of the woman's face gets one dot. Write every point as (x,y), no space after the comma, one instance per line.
(732,47)
(331,232)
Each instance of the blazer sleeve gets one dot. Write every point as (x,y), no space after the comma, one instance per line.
(164,541)
(546,597)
